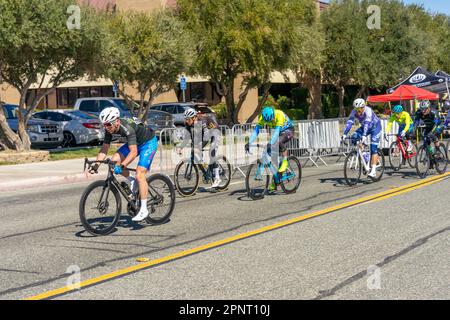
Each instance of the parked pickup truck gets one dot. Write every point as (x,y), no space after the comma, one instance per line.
(43,133)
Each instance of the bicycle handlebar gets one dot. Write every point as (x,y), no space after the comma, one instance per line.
(88,164)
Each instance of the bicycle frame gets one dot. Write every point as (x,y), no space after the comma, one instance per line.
(266,160)
(400,143)
(111,179)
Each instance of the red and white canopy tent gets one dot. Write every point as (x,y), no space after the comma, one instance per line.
(405,93)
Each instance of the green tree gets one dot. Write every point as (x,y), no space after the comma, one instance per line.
(342,24)
(238,39)
(150,51)
(41,43)
(306,56)
(393,50)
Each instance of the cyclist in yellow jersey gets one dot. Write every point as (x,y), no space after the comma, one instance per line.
(283,131)
(405,125)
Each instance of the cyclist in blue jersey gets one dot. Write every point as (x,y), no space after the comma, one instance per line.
(370,125)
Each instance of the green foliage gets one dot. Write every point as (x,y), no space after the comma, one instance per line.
(37,47)
(248,38)
(270,101)
(150,51)
(221,110)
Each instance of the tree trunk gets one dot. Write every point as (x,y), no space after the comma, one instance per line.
(241,101)
(267,87)
(229,100)
(360,92)
(314,87)
(22,125)
(8,139)
(341,93)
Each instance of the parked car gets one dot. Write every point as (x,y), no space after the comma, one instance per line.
(177,110)
(43,133)
(159,120)
(97,104)
(79,127)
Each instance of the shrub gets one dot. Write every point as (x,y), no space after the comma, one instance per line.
(221,110)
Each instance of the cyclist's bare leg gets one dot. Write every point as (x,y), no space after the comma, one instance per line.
(141,177)
(374,160)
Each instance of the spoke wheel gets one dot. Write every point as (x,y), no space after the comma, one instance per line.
(380,167)
(441,159)
(422,162)
(100,208)
(395,156)
(292,177)
(160,199)
(186,178)
(257,180)
(352,168)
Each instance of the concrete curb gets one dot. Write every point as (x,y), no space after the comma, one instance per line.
(46,181)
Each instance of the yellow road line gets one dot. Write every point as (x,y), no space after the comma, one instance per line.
(377,197)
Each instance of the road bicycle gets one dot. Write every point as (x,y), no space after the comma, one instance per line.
(358,162)
(187,175)
(101,202)
(429,157)
(259,173)
(398,154)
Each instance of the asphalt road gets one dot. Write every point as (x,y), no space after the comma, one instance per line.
(390,248)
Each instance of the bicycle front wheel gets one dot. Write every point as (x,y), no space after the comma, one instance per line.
(422,162)
(100,208)
(395,156)
(186,178)
(292,177)
(352,168)
(257,180)
(160,199)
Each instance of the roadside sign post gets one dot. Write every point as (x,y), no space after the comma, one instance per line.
(116,88)
(183,86)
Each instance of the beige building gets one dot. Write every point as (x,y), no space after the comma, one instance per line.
(198,89)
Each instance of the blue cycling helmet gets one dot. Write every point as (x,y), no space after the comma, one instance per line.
(268,114)
(397,109)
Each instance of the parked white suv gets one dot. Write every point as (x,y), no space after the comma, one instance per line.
(95,105)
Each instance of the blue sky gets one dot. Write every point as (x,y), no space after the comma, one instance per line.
(441,6)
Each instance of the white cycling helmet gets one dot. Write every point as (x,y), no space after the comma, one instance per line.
(425,104)
(190,113)
(109,115)
(359,103)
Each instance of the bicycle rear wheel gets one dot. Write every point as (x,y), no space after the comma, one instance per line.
(224,172)
(160,199)
(352,168)
(395,156)
(440,158)
(412,160)
(422,162)
(100,208)
(257,180)
(292,177)
(380,167)
(186,178)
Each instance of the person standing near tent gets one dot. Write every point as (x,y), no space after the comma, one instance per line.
(405,122)
(370,125)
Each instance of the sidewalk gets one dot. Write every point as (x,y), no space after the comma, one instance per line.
(34,175)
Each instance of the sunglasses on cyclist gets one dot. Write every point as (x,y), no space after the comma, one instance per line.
(109,124)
